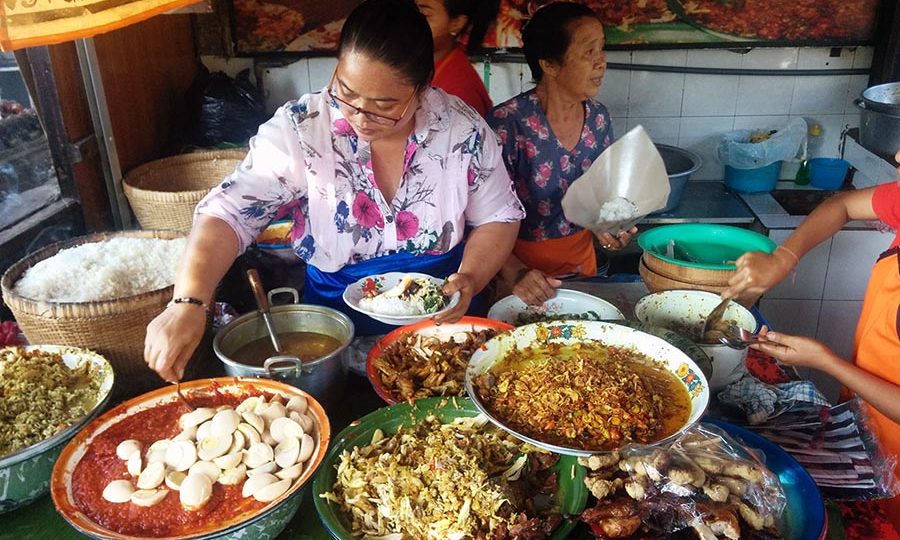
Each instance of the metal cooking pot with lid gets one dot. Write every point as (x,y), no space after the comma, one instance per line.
(323,377)
(883,98)
(879,132)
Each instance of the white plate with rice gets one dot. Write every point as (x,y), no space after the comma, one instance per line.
(380,297)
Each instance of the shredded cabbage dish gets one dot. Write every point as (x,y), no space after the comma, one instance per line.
(585,395)
(461,480)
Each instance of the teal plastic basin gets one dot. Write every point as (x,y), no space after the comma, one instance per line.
(703,245)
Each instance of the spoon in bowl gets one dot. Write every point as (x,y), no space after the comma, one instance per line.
(739,338)
(712,326)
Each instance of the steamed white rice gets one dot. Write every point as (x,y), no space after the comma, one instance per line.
(107,270)
(616,210)
(392,306)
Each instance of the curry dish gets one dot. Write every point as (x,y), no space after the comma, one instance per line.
(307,346)
(585,395)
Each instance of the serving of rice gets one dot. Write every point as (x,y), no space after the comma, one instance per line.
(115,268)
(40,396)
(616,210)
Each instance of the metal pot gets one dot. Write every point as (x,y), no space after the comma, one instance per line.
(680,165)
(883,98)
(879,132)
(324,377)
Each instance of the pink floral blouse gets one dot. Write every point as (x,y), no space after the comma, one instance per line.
(308,163)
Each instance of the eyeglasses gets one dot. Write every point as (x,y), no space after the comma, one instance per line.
(374,117)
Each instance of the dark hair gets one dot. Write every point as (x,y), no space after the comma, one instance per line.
(481,13)
(392,32)
(547,37)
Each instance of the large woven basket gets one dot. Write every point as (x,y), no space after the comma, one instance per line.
(163,193)
(113,328)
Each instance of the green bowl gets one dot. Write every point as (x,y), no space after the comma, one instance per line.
(703,245)
(572,491)
(25,474)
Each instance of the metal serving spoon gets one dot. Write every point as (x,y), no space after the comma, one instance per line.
(713,321)
(739,338)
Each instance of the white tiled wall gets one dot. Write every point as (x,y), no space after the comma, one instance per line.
(688,110)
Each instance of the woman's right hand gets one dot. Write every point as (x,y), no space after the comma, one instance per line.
(172,338)
(757,272)
(535,288)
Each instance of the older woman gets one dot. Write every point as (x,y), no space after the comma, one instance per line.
(382,173)
(550,136)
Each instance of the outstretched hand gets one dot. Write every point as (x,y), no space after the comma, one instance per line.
(534,287)
(794,350)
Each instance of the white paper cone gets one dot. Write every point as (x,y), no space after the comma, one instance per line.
(631,168)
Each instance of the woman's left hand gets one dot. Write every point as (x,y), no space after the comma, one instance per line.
(617,242)
(465,285)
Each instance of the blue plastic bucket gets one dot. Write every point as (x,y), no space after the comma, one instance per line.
(827,173)
(758,180)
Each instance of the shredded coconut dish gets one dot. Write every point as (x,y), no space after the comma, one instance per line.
(617,210)
(591,396)
(40,396)
(461,480)
(409,297)
(114,268)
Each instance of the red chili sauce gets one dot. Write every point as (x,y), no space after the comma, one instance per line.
(99,466)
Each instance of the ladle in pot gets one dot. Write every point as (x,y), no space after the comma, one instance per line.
(263,304)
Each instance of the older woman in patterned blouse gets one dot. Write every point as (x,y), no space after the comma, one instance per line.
(550,136)
(380,171)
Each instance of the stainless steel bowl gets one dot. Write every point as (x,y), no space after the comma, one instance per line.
(680,165)
(324,377)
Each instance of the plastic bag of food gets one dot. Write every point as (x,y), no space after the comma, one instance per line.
(627,182)
(754,148)
(704,480)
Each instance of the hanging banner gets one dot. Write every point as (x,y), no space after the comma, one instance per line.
(31,23)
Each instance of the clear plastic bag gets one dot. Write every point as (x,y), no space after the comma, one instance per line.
(627,182)
(704,480)
(787,143)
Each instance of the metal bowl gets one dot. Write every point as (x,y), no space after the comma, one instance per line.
(267,522)
(25,474)
(571,332)
(324,377)
(883,98)
(680,165)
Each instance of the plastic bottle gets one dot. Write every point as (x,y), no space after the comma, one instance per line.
(814,140)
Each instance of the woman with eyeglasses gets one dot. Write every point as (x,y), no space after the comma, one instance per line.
(450,21)
(381,173)
(550,136)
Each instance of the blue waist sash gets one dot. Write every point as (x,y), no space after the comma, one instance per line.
(327,288)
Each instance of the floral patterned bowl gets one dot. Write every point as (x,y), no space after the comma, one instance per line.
(25,474)
(571,332)
(382,282)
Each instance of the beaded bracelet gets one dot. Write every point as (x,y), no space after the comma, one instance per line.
(188,300)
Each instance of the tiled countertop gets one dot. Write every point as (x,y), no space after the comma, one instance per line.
(705,202)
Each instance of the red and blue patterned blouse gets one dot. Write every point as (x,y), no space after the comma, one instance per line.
(541,168)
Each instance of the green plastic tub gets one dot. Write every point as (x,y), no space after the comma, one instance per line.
(703,245)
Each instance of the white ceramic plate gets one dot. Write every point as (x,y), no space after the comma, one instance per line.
(382,282)
(570,332)
(566,302)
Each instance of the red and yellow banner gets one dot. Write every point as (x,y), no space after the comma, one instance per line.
(31,23)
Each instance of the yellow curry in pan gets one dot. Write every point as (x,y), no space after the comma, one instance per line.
(587,395)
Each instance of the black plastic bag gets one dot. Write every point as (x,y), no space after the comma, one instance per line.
(228,111)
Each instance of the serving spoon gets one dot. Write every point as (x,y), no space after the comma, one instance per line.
(713,323)
(739,338)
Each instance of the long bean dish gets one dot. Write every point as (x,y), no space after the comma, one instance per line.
(585,395)
(461,480)
(417,366)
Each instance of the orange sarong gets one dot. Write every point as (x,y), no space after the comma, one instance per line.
(573,254)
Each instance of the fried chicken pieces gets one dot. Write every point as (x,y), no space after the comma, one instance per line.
(698,485)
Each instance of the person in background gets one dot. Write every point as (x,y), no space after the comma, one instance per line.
(382,172)
(550,136)
(874,373)
(450,20)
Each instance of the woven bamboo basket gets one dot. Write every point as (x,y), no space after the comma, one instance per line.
(113,328)
(163,193)
(687,274)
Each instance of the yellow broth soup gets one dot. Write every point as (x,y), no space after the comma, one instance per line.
(306,346)
(585,395)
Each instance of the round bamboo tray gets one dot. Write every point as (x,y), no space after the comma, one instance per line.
(656,282)
(686,274)
(163,193)
(112,328)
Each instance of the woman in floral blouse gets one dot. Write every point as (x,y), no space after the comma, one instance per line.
(380,171)
(550,136)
